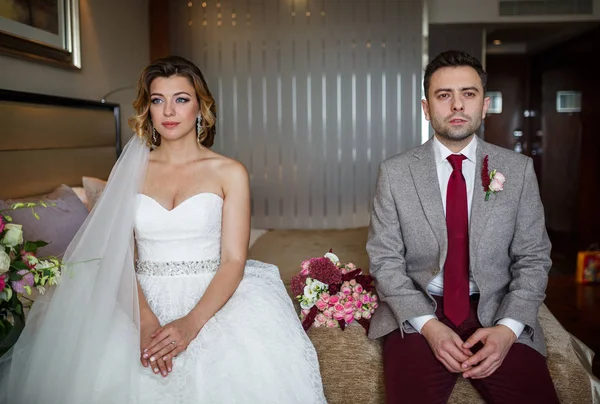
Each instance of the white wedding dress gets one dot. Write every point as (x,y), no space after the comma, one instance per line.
(253,350)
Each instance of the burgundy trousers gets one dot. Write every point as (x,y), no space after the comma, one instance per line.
(414,375)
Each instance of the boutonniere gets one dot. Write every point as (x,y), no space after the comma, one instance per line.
(492,181)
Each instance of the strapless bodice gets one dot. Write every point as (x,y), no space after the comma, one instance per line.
(189,232)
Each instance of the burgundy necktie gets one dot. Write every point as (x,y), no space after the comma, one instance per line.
(456,268)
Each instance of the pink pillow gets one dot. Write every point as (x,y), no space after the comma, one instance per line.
(93,189)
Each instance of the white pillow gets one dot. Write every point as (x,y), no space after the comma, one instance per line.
(93,189)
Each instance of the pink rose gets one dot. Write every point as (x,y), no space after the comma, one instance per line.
(375,305)
(348,305)
(346,290)
(2,282)
(365,299)
(496,186)
(305,312)
(305,265)
(500,177)
(338,316)
(357,315)
(366,315)
(353,282)
(349,318)
(328,313)
(358,288)
(339,308)
(331,323)
(497,183)
(321,305)
(356,296)
(374,298)
(358,304)
(325,297)
(334,300)
(351,266)
(320,318)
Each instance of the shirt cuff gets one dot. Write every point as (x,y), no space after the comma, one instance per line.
(419,322)
(516,326)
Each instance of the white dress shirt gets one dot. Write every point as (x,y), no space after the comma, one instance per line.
(444,169)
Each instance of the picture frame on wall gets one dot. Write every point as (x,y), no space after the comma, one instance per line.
(45,31)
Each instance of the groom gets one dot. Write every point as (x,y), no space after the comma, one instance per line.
(460,260)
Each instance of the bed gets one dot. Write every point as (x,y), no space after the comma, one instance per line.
(50,147)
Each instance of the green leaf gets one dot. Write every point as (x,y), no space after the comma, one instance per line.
(41,243)
(14,277)
(12,335)
(8,218)
(18,265)
(30,247)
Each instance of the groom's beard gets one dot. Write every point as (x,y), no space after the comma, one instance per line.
(443,128)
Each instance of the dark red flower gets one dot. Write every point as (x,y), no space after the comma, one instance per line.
(322,269)
(485,174)
(298,284)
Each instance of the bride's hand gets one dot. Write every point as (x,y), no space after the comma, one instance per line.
(168,341)
(149,325)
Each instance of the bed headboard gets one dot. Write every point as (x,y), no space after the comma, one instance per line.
(48,140)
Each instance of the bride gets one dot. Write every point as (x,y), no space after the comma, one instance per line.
(189,321)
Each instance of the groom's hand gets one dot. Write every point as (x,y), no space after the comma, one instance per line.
(496,344)
(446,345)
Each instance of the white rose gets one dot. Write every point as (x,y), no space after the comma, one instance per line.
(309,293)
(13,236)
(306,305)
(317,286)
(332,257)
(4,261)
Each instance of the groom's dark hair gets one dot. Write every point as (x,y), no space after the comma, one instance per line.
(453,58)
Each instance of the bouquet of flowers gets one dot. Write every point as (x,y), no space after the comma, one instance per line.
(20,271)
(333,294)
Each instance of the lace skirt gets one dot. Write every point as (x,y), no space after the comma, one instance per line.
(253,350)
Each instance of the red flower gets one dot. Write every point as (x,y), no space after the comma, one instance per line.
(298,283)
(322,269)
(2,282)
(485,174)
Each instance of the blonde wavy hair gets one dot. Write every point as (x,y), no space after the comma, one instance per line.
(168,67)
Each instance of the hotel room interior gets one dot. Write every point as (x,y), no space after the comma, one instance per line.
(312,95)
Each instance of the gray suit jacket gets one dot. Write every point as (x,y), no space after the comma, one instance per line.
(508,244)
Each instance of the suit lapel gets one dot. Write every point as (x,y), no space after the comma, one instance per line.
(424,174)
(480,209)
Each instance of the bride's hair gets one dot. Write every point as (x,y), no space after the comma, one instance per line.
(167,67)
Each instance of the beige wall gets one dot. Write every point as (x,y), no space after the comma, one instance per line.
(479,11)
(115,47)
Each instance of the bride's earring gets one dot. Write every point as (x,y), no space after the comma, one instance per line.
(154,138)
(199,130)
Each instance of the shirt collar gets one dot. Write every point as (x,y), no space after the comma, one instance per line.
(441,152)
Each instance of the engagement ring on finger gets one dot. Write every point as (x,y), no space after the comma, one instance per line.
(173,342)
